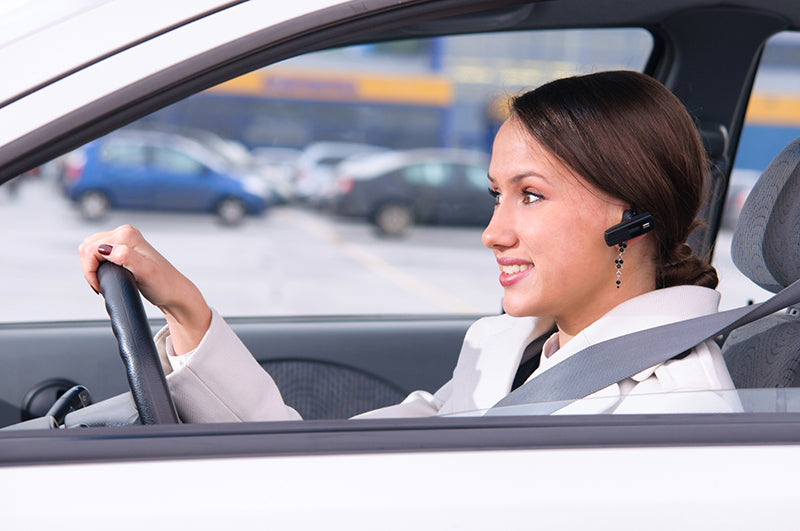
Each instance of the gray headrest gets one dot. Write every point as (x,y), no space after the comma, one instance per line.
(766,242)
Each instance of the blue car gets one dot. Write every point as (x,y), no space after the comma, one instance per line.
(152,170)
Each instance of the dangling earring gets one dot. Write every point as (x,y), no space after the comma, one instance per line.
(618,262)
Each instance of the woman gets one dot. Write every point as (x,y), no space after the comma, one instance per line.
(575,157)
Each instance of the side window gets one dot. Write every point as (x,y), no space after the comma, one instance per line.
(176,162)
(476,176)
(772,121)
(306,143)
(124,154)
(429,174)
(330,161)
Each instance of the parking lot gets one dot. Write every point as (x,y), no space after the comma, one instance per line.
(292,261)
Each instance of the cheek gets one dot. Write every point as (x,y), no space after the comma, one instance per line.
(576,246)
(565,234)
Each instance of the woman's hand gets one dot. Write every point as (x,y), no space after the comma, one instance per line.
(188,316)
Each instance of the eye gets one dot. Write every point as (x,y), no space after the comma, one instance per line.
(531,197)
(497,197)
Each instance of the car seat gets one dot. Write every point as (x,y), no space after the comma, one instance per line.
(766,248)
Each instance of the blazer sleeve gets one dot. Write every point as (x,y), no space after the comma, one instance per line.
(222,381)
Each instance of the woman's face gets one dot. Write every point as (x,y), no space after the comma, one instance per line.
(547,233)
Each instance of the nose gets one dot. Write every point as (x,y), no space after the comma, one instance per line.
(499,233)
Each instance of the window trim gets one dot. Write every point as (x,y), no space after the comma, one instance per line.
(346,437)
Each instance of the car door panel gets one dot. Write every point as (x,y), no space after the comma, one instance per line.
(118,169)
(401,354)
(181,183)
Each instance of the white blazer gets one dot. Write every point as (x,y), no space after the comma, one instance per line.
(220,381)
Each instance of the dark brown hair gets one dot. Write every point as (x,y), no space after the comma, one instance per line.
(629,136)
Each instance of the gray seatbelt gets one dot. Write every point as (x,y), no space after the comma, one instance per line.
(603,364)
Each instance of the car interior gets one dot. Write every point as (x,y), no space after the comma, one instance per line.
(328,366)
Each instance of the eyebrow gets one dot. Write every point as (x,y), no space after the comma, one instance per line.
(520,176)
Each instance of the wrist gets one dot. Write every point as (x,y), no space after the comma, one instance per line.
(188,321)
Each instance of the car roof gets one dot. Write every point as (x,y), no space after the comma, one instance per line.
(369,166)
(318,150)
(189,145)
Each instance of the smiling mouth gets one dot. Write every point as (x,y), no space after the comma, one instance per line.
(510,274)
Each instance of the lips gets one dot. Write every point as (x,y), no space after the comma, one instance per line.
(512,270)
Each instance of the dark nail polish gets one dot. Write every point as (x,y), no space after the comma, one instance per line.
(105,249)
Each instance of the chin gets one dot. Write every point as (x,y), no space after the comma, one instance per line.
(515,310)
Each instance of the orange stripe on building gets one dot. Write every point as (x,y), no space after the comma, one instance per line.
(249,83)
(774,109)
(354,87)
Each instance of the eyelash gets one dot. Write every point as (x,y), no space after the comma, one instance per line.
(526,194)
(532,194)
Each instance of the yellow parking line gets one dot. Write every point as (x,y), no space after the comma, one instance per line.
(382,268)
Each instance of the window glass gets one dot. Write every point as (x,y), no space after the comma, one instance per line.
(304,143)
(124,155)
(431,174)
(172,161)
(772,121)
(476,176)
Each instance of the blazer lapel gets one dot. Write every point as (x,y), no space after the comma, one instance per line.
(489,359)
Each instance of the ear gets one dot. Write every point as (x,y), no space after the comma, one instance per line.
(631,226)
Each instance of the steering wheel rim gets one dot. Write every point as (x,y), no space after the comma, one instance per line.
(136,346)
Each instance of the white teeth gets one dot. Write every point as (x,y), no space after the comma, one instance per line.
(516,268)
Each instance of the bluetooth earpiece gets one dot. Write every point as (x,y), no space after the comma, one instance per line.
(631,226)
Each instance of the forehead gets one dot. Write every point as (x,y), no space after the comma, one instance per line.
(517,155)
(515,152)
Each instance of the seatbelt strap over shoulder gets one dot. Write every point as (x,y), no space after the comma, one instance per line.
(603,364)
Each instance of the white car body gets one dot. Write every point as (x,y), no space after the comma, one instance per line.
(700,479)
(604,489)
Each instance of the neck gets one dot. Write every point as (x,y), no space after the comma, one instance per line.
(572,324)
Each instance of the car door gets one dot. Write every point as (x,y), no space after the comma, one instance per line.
(394,312)
(428,183)
(300,274)
(122,171)
(181,182)
(466,201)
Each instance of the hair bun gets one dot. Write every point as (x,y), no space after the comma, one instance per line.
(684,267)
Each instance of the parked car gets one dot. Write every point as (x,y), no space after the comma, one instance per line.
(279,166)
(74,71)
(151,170)
(244,161)
(395,190)
(314,174)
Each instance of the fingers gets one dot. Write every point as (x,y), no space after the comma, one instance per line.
(117,246)
(157,279)
(91,257)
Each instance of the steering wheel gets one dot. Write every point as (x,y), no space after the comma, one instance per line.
(136,346)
